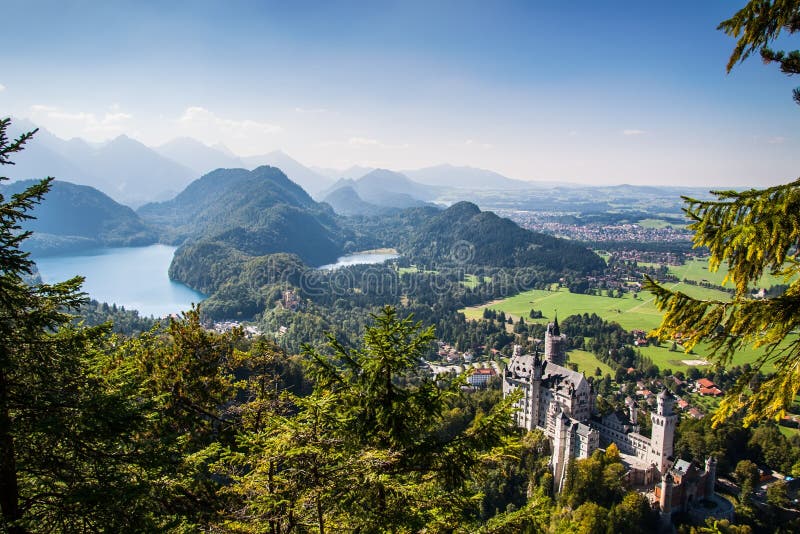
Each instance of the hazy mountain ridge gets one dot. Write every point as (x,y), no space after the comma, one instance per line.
(346,201)
(78,217)
(122,168)
(306,178)
(197,156)
(456,177)
(381,188)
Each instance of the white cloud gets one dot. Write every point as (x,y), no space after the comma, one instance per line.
(37,108)
(211,128)
(633,132)
(777,140)
(81,123)
(363,141)
(310,110)
(473,143)
(2,87)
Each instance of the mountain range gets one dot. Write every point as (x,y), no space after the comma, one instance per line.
(134,174)
(123,168)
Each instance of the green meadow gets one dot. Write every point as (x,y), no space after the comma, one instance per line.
(588,362)
(697,269)
(630,312)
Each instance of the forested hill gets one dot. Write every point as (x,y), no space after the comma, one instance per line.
(78,217)
(254,212)
(464,234)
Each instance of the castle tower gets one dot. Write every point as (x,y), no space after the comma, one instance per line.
(633,412)
(663,434)
(555,344)
(711,475)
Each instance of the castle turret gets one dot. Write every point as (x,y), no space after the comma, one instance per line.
(561,449)
(665,499)
(711,475)
(633,411)
(555,344)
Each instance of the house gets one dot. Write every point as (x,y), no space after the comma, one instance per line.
(480,377)
(705,383)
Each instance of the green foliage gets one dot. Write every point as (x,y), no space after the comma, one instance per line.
(595,479)
(372,447)
(758,24)
(747,476)
(67,458)
(778,494)
(753,231)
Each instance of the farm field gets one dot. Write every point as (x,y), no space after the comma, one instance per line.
(413,269)
(697,269)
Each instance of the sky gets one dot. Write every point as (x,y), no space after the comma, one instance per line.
(583,91)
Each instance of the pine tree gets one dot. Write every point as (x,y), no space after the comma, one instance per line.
(69,461)
(376,447)
(754,232)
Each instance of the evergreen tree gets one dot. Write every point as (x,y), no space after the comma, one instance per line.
(754,232)
(376,447)
(67,462)
(759,23)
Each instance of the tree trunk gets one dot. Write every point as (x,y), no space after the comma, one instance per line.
(9,489)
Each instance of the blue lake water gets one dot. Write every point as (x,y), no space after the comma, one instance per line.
(360,258)
(134,277)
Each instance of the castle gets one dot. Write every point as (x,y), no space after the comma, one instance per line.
(560,402)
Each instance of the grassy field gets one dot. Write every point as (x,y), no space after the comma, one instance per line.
(697,269)
(631,313)
(588,362)
(413,269)
(471,281)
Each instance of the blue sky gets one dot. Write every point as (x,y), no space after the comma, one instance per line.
(585,91)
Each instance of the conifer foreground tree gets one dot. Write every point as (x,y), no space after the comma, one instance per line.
(65,447)
(376,447)
(754,232)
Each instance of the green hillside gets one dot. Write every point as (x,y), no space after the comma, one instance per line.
(77,217)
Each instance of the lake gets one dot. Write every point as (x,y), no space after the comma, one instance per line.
(360,258)
(134,277)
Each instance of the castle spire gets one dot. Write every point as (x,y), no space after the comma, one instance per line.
(556,331)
